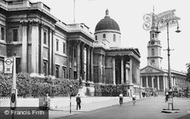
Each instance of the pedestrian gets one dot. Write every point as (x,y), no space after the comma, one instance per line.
(78,101)
(134,99)
(167,96)
(47,101)
(120,98)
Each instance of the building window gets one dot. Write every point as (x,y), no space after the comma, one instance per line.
(18,64)
(96,38)
(57,71)
(64,47)
(2,33)
(15,34)
(104,35)
(57,45)
(64,72)
(45,37)
(45,68)
(152,52)
(114,37)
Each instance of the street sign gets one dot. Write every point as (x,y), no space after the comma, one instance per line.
(8,65)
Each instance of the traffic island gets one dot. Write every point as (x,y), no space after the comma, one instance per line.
(170,111)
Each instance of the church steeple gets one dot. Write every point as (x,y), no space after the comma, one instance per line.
(154,46)
(153,27)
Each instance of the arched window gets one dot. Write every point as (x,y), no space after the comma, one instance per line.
(152,52)
(114,37)
(104,35)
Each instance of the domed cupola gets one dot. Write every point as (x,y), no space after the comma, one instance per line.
(107,32)
(107,23)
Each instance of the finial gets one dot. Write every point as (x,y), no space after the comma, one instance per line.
(107,12)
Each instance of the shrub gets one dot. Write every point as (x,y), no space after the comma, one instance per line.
(37,86)
(5,85)
(110,90)
(98,90)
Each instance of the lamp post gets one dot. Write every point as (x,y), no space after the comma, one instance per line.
(70,86)
(167,23)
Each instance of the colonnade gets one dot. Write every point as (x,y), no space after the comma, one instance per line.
(125,68)
(159,82)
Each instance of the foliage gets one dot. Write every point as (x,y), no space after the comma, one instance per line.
(5,85)
(110,90)
(97,89)
(188,72)
(38,86)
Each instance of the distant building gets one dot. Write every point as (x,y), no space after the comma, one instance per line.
(45,46)
(153,75)
(113,64)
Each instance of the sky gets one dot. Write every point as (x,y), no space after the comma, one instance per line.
(129,16)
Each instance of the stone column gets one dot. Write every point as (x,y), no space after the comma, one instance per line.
(24,48)
(100,68)
(174,83)
(130,72)
(91,64)
(113,61)
(122,71)
(34,48)
(41,49)
(87,63)
(78,60)
(158,82)
(152,81)
(141,80)
(82,61)
(147,81)
(127,73)
(164,83)
(50,51)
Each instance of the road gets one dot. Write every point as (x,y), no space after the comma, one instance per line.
(148,108)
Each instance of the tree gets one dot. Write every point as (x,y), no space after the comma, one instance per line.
(188,72)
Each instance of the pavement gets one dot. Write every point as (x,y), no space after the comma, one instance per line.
(60,113)
(153,105)
(85,107)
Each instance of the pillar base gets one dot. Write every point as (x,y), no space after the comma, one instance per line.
(86,89)
(170,111)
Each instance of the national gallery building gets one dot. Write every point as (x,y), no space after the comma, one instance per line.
(45,46)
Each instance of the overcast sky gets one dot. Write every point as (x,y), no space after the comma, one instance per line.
(129,16)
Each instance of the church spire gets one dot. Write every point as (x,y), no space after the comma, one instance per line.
(153,20)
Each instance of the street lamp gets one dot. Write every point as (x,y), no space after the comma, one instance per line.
(167,23)
(70,86)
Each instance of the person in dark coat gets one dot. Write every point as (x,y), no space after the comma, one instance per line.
(78,100)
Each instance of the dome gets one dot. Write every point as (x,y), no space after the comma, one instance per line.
(107,23)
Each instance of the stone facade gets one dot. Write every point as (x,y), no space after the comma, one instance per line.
(45,46)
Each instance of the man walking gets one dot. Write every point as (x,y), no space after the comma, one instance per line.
(78,101)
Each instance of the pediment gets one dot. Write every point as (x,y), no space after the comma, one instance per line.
(149,69)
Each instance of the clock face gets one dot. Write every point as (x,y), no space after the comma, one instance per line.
(152,61)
